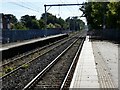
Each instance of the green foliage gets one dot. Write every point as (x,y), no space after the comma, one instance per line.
(50,25)
(57,25)
(61,22)
(51,19)
(13,19)
(113,15)
(35,24)
(41,24)
(20,26)
(8,69)
(30,22)
(102,13)
(25,66)
(75,23)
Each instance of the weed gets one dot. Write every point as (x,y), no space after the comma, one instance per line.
(25,66)
(8,69)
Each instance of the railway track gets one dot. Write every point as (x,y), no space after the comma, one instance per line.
(58,74)
(18,78)
(16,62)
(18,56)
(19,61)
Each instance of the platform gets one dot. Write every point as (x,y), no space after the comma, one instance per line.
(97,66)
(106,58)
(16,44)
(85,75)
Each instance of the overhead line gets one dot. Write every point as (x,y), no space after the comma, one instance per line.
(69,8)
(72,7)
(24,6)
(62,4)
(28,3)
(77,1)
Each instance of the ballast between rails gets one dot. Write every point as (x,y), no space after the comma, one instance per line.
(19,81)
(35,80)
(76,56)
(33,59)
(28,53)
(18,48)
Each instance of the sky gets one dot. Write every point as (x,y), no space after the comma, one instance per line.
(36,7)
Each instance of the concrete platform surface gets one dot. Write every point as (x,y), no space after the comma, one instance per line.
(106,56)
(85,75)
(15,44)
(97,66)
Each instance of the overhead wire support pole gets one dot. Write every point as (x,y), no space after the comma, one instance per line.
(45,20)
(56,5)
(63,4)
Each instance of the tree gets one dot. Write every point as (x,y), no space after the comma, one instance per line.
(30,22)
(93,13)
(41,24)
(20,26)
(57,25)
(51,19)
(49,26)
(75,23)
(13,19)
(61,22)
(113,14)
(35,24)
(100,14)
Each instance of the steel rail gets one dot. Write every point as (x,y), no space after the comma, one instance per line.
(31,61)
(30,52)
(71,66)
(34,81)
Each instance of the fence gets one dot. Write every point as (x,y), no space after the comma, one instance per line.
(19,35)
(109,34)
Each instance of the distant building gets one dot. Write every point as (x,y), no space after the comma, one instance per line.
(4,21)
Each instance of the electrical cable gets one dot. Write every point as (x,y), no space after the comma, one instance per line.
(24,6)
(66,7)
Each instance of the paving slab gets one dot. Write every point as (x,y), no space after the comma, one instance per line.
(106,57)
(85,75)
(16,44)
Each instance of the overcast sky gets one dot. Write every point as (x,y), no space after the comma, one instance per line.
(36,7)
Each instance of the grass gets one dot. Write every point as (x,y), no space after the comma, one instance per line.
(8,69)
(1,74)
(25,66)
